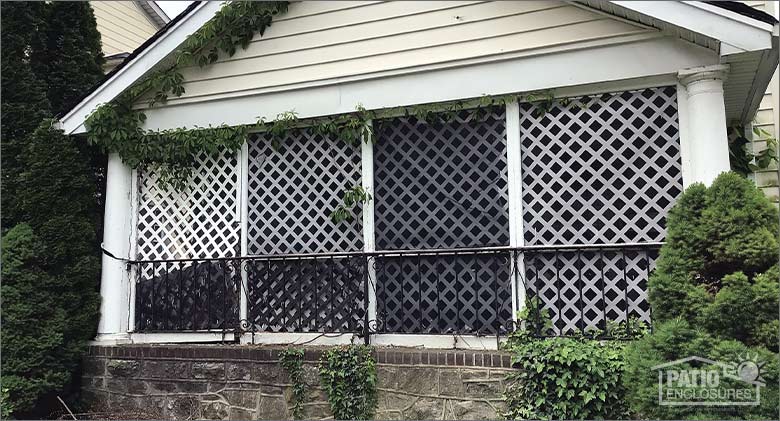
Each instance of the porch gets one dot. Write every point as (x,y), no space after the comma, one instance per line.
(472,217)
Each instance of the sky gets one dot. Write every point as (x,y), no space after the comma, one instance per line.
(173,8)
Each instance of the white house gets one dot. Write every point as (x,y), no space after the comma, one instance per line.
(470,216)
(125,25)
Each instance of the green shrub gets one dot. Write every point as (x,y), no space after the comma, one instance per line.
(50,280)
(32,367)
(566,378)
(712,232)
(348,375)
(676,339)
(714,294)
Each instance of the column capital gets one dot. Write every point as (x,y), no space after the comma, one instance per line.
(695,74)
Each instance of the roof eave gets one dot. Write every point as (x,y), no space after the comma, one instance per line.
(741,32)
(73,121)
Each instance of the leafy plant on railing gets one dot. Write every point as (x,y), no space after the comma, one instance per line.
(172,154)
(742,160)
(348,375)
(292,361)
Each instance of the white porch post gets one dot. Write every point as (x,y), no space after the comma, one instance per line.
(703,134)
(514,187)
(115,279)
(369,239)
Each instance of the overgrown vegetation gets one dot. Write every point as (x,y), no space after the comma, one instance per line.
(171,154)
(51,54)
(566,378)
(714,294)
(575,377)
(50,275)
(292,361)
(741,156)
(348,375)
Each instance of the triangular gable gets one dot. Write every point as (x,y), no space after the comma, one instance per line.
(342,40)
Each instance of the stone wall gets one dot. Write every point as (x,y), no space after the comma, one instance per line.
(242,382)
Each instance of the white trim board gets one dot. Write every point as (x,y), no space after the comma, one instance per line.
(608,64)
(738,31)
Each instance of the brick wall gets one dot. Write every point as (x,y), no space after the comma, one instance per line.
(241,382)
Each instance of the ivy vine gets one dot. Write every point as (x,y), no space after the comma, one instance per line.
(742,160)
(292,361)
(348,375)
(171,154)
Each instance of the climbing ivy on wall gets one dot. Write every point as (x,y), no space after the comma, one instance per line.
(348,375)
(292,361)
(743,160)
(116,126)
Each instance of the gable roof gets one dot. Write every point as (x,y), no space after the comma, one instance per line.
(716,26)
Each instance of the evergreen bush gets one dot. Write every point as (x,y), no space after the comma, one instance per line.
(714,294)
(23,101)
(51,55)
(52,283)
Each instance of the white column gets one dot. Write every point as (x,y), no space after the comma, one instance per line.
(514,187)
(369,240)
(115,278)
(703,133)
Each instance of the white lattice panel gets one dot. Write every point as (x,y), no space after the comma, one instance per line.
(200,221)
(293,190)
(608,173)
(605,173)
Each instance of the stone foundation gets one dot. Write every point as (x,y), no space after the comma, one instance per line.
(242,382)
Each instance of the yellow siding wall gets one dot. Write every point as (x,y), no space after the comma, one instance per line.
(326,40)
(123,25)
(767,115)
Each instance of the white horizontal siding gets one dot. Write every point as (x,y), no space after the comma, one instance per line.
(123,25)
(767,117)
(316,41)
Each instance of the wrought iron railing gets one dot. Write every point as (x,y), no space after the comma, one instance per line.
(571,289)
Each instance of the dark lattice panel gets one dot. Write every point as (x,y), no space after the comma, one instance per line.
(584,290)
(444,294)
(309,295)
(198,221)
(441,184)
(608,173)
(292,191)
(188,296)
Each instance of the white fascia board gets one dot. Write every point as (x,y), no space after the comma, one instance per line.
(736,30)
(649,58)
(73,121)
